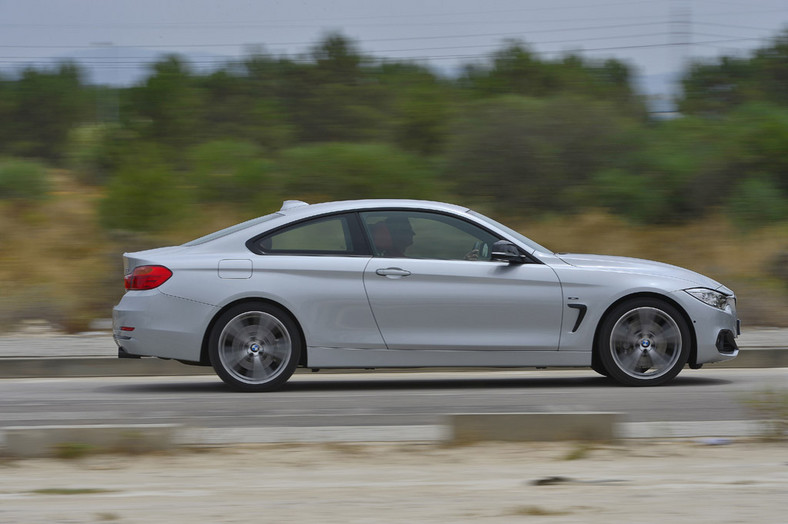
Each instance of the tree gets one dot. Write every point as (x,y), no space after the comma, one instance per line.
(516,70)
(40,109)
(336,96)
(533,155)
(682,169)
(168,105)
(717,87)
(420,109)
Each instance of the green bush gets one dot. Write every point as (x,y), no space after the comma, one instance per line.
(350,171)
(22,180)
(145,195)
(637,197)
(95,151)
(229,171)
(758,201)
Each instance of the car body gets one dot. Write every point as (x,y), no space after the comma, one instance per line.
(408,283)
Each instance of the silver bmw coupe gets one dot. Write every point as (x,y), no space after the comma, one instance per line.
(405,284)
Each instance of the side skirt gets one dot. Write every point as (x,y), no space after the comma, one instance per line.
(319,357)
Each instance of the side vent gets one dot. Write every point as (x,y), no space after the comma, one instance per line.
(581,313)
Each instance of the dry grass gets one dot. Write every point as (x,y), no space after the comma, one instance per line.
(107,516)
(537,511)
(58,264)
(773,405)
(744,261)
(55,262)
(712,246)
(580,451)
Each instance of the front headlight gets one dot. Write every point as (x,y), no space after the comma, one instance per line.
(710,297)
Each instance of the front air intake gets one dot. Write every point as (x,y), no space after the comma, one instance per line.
(726,342)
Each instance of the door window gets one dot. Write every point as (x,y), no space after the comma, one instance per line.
(418,234)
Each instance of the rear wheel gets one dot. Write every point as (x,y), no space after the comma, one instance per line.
(254,347)
(643,342)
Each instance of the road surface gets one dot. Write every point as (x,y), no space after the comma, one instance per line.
(377,399)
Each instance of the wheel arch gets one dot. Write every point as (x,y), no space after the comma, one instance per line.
(693,356)
(205,359)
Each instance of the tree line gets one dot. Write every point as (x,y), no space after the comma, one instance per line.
(518,133)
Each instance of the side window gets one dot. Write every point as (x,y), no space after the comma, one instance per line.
(418,234)
(322,236)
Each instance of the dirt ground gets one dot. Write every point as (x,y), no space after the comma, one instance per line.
(636,481)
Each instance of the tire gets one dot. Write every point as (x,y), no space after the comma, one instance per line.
(254,347)
(643,342)
(596,365)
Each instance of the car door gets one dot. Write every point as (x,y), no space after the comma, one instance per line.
(432,285)
(315,269)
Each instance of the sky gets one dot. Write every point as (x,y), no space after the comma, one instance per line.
(117,37)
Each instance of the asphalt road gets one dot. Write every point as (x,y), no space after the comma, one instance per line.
(376,399)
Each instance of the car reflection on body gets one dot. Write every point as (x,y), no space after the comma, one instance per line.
(406,284)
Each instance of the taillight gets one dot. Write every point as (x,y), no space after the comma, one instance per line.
(147,277)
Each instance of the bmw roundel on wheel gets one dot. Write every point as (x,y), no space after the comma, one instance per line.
(407,283)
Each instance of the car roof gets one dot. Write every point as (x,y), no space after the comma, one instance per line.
(299,210)
(295,210)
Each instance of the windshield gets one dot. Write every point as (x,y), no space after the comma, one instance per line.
(232,229)
(514,234)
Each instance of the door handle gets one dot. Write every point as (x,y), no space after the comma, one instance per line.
(393,272)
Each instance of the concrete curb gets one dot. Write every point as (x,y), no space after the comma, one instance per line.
(520,427)
(757,358)
(45,441)
(46,367)
(49,441)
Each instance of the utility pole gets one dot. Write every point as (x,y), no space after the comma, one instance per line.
(681,37)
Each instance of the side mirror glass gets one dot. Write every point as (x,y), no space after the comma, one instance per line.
(505,251)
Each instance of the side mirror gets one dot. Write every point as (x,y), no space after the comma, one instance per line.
(505,251)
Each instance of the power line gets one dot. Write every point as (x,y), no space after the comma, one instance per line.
(529,43)
(228,59)
(505,34)
(474,46)
(733,26)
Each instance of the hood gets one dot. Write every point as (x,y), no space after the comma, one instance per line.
(641,267)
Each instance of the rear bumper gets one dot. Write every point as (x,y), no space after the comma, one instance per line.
(153,324)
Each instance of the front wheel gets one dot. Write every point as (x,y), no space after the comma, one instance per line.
(254,347)
(644,342)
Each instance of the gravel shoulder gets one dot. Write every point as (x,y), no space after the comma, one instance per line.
(673,481)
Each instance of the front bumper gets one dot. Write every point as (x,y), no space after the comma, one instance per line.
(715,329)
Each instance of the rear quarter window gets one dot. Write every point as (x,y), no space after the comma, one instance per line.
(330,235)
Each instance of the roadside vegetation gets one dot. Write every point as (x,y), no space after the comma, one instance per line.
(564,149)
